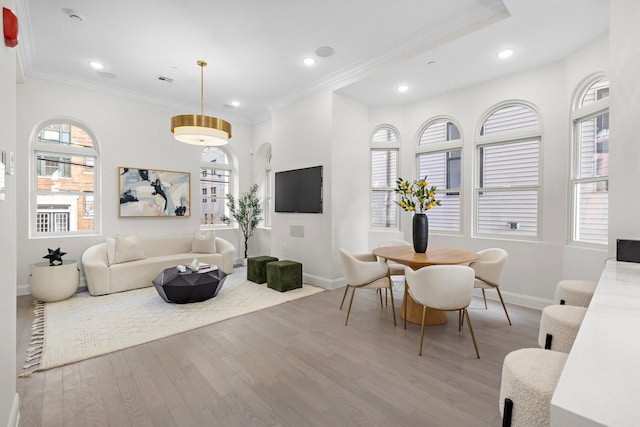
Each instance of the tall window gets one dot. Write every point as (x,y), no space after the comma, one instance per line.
(508,180)
(215,173)
(65,158)
(439,158)
(590,171)
(384,172)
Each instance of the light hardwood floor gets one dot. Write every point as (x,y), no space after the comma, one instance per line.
(291,365)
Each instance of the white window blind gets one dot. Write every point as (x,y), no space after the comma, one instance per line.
(442,169)
(384,172)
(507,196)
(590,178)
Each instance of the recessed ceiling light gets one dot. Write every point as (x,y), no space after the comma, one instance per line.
(309,61)
(504,54)
(97,65)
(235,103)
(403,88)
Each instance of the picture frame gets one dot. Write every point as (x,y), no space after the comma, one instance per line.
(153,193)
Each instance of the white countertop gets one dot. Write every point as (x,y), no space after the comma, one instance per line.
(600,383)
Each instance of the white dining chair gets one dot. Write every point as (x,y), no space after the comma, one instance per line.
(488,273)
(395,268)
(442,287)
(365,271)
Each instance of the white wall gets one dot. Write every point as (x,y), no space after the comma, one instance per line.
(301,137)
(8,396)
(129,133)
(624,203)
(534,267)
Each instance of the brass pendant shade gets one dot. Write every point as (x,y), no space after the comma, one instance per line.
(198,129)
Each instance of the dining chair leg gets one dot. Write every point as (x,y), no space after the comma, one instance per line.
(346,288)
(424,312)
(484,298)
(473,337)
(385,296)
(393,306)
(459,320)
(503,306)
(406,298)
(380,294)
(350,303)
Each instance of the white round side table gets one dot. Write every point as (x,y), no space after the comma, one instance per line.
(50,283)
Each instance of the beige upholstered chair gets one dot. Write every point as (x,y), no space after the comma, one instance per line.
(366,272)
(489,269)
(395,269)
(442,287)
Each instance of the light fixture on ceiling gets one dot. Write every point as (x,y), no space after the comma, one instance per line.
(506,53)
(309,61)
(198,129)
(402,88)
(97,65)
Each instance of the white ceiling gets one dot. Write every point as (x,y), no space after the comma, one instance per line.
(255,48)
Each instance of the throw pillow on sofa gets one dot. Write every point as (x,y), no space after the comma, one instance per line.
(203,243)
(128,248)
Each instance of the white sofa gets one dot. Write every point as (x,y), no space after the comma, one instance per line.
(159,253)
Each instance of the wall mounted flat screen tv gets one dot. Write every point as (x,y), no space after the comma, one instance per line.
(299,190)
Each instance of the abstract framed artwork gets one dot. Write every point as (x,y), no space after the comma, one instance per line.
(153,193)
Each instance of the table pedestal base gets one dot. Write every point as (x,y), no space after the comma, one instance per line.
(414,313)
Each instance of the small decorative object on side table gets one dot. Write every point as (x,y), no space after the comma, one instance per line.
(54,282)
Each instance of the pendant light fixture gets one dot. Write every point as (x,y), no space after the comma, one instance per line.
(198,129)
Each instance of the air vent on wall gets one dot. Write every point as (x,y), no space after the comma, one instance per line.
(165,79)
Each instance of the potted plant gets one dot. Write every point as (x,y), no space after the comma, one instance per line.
(247,213)
(417,197)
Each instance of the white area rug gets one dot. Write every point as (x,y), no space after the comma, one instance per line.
(84,326)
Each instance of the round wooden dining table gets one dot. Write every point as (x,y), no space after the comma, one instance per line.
(434,256)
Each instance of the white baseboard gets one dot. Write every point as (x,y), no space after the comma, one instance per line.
(517,299)
(14,415)
(323,282)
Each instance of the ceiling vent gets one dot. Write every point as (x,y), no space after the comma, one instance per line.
(165,79)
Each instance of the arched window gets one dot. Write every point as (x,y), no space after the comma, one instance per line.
(264,158)
(590,170)
(508,178)
(439,158)
(215,184)
(384,172)
(65,174)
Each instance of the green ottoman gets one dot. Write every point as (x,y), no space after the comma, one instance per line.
(257,268)
(284,275)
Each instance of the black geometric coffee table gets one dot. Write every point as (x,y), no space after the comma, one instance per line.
(182,288)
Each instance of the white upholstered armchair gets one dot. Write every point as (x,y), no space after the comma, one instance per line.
(367,272)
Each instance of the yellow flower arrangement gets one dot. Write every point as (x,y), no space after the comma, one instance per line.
(416,197)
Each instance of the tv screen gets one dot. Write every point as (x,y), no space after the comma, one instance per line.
(299,190)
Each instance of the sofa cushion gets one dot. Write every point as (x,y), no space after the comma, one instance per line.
(128,248)
(203,242)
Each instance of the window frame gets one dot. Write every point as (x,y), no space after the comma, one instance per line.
(63,149)
(504,138)
(384,146)
(579,114)
(446,146)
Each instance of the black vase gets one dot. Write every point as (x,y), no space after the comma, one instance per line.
(420,232)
